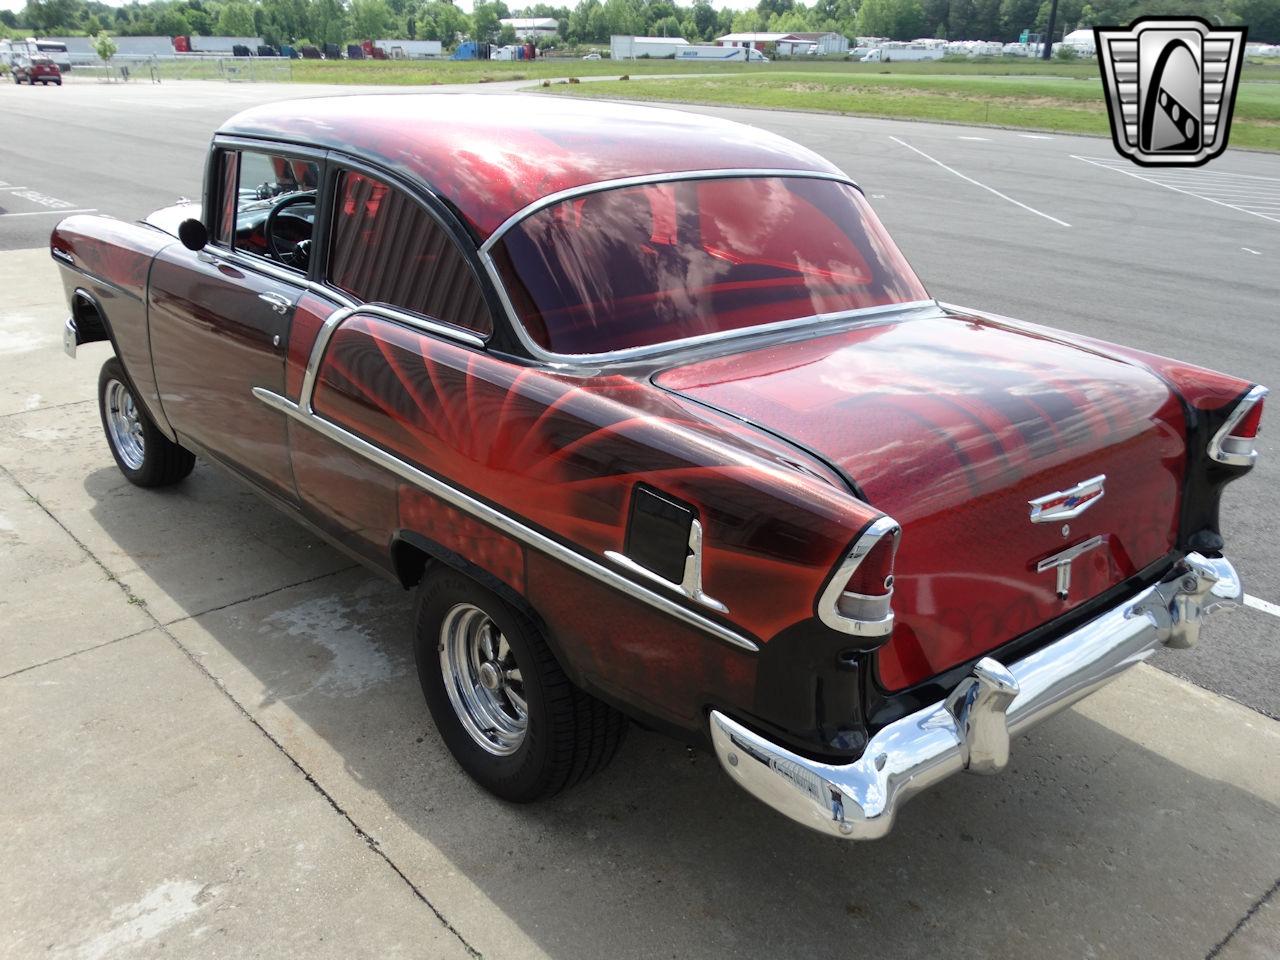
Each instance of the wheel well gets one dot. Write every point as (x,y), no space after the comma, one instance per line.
(410,561)
(91,323)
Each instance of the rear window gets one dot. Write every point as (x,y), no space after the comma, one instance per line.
(640,266)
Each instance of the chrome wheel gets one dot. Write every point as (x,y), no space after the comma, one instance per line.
(124,424)
(483,680)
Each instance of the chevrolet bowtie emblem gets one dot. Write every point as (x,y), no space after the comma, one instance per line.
(1170,84)
(1067,504)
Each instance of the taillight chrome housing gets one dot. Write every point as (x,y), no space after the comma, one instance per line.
(1233,444)
(857,599)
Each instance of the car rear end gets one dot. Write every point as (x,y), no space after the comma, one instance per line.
(44,71)
(1044,507)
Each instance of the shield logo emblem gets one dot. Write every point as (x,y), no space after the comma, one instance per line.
(1170,84)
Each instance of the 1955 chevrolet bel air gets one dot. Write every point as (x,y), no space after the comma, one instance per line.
(660,424)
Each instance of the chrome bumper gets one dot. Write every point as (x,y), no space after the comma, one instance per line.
(970,730)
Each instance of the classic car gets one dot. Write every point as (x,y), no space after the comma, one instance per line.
(661,426)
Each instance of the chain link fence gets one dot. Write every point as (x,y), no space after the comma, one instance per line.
(127,69)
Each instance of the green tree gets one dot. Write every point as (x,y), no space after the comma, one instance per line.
(171,22)
(896,19)
(704,19)
(104,46)
(1262,17)
(369,18)
(484,22)
(236,20)
(506,35)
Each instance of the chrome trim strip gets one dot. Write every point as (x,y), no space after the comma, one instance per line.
(971,728)
(62,255)
(335,319)
(649,179)
(1237,451)
(495,518)
(880,621)
(690,584)
(1041,512)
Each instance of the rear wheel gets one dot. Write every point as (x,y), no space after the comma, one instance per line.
(144,455)
(504,707)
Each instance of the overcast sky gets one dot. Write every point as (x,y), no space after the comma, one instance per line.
(16,5)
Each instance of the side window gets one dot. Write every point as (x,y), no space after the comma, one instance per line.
(387,249)
(275,206)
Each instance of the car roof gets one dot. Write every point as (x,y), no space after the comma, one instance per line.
(491,155)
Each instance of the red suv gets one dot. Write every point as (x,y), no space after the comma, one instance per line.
(35,70)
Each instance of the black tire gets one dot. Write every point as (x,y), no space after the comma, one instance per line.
(144,455)
(569,735)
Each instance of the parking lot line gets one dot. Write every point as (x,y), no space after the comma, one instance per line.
(38,213)
(1263,605)
(1106,165)
(1016,203)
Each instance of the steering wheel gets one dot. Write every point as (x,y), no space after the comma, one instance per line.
(300,253)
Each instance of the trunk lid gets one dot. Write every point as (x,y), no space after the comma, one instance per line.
(952,424)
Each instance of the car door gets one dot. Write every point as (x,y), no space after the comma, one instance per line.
(220,317)
(387,256)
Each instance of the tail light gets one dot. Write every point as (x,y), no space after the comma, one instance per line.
(1234,443)
(857,599)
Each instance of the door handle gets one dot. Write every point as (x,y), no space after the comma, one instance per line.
(279,303)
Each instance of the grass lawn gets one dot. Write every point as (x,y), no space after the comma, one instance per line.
(378,72)
(1043,101)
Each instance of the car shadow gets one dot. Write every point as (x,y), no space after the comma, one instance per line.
(1089,845)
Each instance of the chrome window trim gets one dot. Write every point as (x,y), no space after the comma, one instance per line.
(875,617)
(1237,451)
(690,584)
(494,517)
(649,179)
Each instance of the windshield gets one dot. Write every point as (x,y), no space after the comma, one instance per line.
(639,266)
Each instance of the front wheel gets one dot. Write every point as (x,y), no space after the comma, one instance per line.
(504,707)
(144,455)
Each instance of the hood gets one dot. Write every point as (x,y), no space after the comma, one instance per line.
(168,218)
(952,424)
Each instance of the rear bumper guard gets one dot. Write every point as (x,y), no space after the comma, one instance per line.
(971,728)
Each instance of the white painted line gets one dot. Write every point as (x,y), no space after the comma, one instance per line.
(1016,203)
(1180,172)
(40,213)
(1263,605)
(1035,136)
(1138,176)
(983,139)
(1256,253)
(12,188)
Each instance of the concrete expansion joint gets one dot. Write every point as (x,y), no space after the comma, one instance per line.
(259,596)
(74,653)
(1248,915)
(360,832)
(42,409)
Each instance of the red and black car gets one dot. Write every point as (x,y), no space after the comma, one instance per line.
(35,70)
(660,424)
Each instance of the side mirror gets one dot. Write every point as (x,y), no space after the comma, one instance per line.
(193,234)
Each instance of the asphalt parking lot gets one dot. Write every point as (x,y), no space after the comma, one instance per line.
(215,741)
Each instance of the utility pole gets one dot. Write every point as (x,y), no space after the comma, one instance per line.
(1046,45)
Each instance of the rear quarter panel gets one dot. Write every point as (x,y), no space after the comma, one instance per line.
(563,455)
